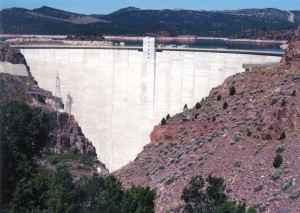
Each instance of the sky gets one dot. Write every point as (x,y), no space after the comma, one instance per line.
(108,6)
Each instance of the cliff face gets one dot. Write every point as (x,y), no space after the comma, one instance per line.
(291,58)
(68,136)
(237,142)
(11,55)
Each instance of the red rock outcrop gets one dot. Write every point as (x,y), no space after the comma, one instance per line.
(291,58)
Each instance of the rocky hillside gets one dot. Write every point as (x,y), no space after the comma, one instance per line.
(61,16)
(65,135)
(135,21)
(235,133)
(291,58)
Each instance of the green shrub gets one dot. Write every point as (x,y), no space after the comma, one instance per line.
(274,101)
(197,199)
(251,210)
(185,108)
(138,199)
(262,207)
(258,188)
(282,136)
(225,105)
(287,182)
(279,148)
(67,157)
(23,133)
(278,196)
(53,159)
(198,105)
(168,117)
(40,98)
(163,121)
(283,103)
(219,97)
(295,194)
(275,175)
(277,161)
(62,195)
(232,90)
(259,147)
(170,179)
(227,207)
(30,193)
(106,195)
(175,208)
(208,196)
(293,93)
(234,207)
(237,163)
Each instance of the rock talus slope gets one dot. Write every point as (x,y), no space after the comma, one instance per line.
(238,143)
(234,133)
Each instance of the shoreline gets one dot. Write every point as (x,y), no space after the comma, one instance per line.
(165,38)
(140,38)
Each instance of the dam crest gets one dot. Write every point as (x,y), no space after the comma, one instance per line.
(119,93)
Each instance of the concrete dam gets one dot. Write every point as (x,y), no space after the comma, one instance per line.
(118,94)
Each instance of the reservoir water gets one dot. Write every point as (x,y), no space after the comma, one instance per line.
(198,43)
(206,43)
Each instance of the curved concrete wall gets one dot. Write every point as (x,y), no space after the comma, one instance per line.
(118,95)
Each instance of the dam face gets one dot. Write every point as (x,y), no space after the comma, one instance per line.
(119,94)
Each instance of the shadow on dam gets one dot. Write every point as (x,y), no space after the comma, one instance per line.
(119,94)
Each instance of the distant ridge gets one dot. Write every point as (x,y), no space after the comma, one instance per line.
(269,23)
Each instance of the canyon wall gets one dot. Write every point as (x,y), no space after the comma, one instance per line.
(118,94)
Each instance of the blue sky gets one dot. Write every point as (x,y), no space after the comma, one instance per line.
(107,6)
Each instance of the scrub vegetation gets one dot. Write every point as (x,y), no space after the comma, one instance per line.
(208,195)
(26,187)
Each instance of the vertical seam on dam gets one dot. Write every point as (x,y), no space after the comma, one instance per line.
(193,88)
(112,107)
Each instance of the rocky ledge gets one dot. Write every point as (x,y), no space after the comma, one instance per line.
(11,55)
